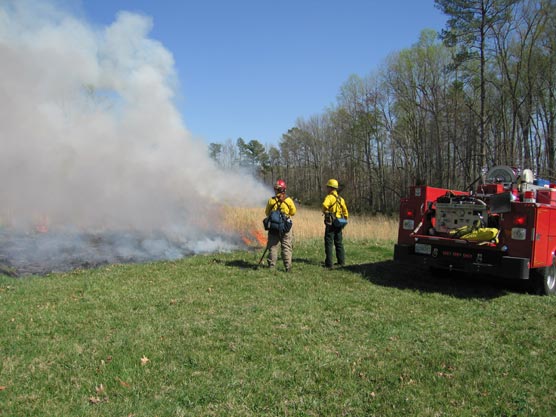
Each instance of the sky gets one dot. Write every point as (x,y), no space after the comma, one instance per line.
(251,68)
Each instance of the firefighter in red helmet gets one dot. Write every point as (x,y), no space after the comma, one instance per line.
(281,235)
(280,186)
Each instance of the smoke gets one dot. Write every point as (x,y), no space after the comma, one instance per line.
(90,139)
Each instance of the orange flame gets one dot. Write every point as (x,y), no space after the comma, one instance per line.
(258,241)
(260,236)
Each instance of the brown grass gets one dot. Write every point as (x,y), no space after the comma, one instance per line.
(308,224)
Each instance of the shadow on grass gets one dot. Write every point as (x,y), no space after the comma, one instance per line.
(306,261)
(409,277)
(237,263)
(460,285)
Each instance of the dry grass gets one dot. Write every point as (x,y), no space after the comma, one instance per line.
(308,224)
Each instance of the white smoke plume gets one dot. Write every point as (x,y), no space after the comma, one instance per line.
(90,138)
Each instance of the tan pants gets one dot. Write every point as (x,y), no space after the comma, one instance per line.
(286,242)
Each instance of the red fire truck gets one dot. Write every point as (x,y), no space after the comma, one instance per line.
(505,227)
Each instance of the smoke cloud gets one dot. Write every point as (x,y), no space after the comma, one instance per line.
(90,139)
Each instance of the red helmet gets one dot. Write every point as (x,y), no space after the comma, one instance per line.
(280,186)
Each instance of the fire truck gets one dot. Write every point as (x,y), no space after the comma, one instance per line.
(505,227)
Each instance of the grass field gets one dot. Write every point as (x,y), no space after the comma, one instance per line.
(213,336)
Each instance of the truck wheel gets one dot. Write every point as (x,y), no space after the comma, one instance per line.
(544,280)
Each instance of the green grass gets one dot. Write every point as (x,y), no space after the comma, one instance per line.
(225,339)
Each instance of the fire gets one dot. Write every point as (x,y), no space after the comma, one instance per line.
(254,238)
(245,222)
(260,236)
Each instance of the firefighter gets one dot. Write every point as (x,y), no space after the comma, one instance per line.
(335,218)
(280,238)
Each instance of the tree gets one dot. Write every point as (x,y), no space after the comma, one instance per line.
(274,164)
(229,156)
(544,81)
(419,83)
(253,154)
(358,99)
(215,151)
(468,27)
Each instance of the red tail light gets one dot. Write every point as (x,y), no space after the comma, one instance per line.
(520,220)
(409,213)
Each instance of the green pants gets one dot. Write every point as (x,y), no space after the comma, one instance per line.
(333,239)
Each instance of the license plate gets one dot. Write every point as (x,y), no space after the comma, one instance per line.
(408,224)
(423,249)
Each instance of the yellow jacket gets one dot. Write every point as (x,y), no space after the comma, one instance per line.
(287,207)
(335,204)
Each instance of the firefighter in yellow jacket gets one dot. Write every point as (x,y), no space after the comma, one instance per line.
(283,239)
(336,214)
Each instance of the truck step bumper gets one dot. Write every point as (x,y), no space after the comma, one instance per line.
(495,264)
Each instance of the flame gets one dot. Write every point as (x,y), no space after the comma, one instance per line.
(254,238)
(244,222)
(260,236)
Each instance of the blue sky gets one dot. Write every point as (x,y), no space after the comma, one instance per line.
(250,68)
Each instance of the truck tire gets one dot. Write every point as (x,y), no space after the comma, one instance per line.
(544,280)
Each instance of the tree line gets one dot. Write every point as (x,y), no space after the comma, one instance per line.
(480,93)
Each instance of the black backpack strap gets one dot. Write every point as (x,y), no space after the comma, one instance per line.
(337,204)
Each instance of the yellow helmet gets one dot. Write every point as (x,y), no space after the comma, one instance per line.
(332,183)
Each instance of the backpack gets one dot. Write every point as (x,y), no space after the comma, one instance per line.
(277,221)
(330,219)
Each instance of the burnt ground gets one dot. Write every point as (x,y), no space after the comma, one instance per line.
(31,253)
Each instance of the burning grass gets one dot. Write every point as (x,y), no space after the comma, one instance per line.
(308,225)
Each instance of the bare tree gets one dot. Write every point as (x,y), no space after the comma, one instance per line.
(469,24)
